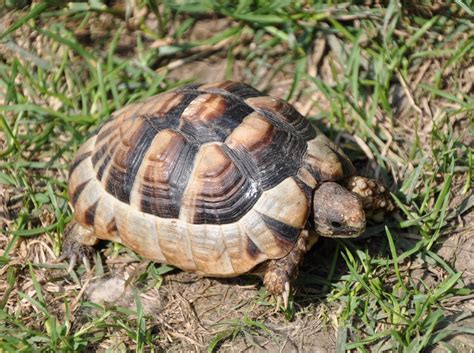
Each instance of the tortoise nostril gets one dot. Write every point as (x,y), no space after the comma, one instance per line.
(336,224)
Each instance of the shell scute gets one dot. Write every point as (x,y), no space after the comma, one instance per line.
(218,191)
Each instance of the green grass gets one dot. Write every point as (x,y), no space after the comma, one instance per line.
(58,86)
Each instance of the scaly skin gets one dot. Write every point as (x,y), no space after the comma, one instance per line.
(280,273)
(375,197)
(77,245)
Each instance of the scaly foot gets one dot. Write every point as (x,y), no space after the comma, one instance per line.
(77,245)
(375,196)
(280,273)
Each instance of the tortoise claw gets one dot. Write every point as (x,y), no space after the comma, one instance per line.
(72,260)
(286,295)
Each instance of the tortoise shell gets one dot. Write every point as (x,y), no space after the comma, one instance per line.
(212,178)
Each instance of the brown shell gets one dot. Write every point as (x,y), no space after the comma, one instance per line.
(212,179)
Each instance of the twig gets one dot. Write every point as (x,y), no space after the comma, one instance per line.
(409,95)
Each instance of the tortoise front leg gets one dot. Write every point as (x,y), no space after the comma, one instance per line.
(78,244)
(280,273)
(375,197)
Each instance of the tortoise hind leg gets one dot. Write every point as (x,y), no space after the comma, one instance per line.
(78,244)
(280,273)
(375,197)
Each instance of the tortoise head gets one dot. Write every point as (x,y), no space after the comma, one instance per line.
(337,212)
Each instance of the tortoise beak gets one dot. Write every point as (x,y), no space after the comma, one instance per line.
(348,231)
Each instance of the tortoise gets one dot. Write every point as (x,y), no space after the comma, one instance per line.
(216,179)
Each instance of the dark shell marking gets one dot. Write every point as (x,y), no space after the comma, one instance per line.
(78,190)
(151,148)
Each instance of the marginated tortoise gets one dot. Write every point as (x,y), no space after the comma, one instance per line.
(216,179)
